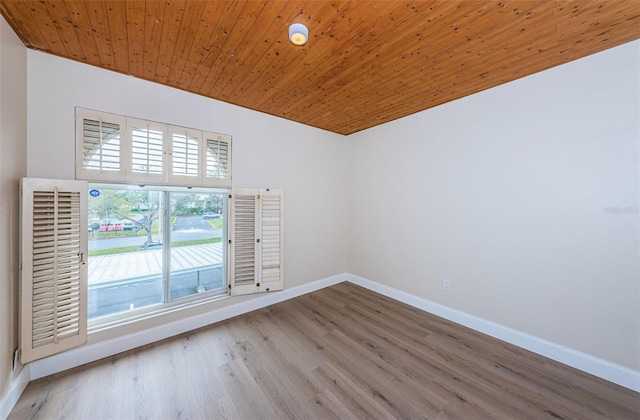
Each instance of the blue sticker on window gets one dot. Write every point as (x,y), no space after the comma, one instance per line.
(94,193)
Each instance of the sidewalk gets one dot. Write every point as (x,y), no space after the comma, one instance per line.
(141,263)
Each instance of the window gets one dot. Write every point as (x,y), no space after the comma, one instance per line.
(151,246)
(151,235)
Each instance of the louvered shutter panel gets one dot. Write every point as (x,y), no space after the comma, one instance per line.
(217,160)
(100,143)
(256,241)
(271,241)
(53,283)
(242,231)
(185,166)
(148,143)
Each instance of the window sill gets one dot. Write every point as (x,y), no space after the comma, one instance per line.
(173,311)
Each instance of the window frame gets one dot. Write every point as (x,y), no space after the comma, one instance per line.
(99,323)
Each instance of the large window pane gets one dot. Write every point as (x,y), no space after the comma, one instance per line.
(196,244)
(125,250)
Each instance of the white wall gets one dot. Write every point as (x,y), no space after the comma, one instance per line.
(307,163)
(13,166)
(509,194)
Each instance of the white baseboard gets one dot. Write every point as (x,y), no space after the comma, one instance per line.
(17,387)
(97,351)
(617,374)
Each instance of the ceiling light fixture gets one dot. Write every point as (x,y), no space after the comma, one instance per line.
(298,34)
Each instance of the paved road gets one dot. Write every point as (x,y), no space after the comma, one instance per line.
(115,297)
(184,229)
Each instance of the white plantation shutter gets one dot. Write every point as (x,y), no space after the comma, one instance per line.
(185,163)
(271,241)
(111,147)
(53,305)
(99,148)
(256,263)
(148,143)
(217,159)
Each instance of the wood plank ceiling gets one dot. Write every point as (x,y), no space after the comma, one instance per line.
(367,62)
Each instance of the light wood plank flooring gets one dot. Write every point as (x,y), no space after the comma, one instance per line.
(343,352)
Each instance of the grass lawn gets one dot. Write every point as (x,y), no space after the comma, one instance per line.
(216,223)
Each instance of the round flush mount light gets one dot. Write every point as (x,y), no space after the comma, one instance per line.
(298,34)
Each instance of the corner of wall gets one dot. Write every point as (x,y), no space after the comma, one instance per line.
(13,161)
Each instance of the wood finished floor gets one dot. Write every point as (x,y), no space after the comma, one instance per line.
(343,352)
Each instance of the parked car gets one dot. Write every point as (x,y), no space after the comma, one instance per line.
(211,216)
(151,245)
(128,226)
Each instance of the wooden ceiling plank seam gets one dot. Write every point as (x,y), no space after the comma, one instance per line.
(501,74)
(223,30)
(245,65)
(336,59)
(62,22)
(19,18)
(194,69)
(465,56)
(154,20)
(46,27)
(384,79)
(333,57)
(135,16)
(117,21)
(455,58)
(82,27)
(396,73)
(341,70)
(191,42)
(174,16)
(585,18)
(241,32)
(270,84)
(97,14)
(235,34)
(351,40)
(512,54)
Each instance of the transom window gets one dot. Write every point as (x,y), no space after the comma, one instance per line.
(122,149)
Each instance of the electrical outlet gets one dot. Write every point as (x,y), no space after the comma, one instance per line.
(446,284)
